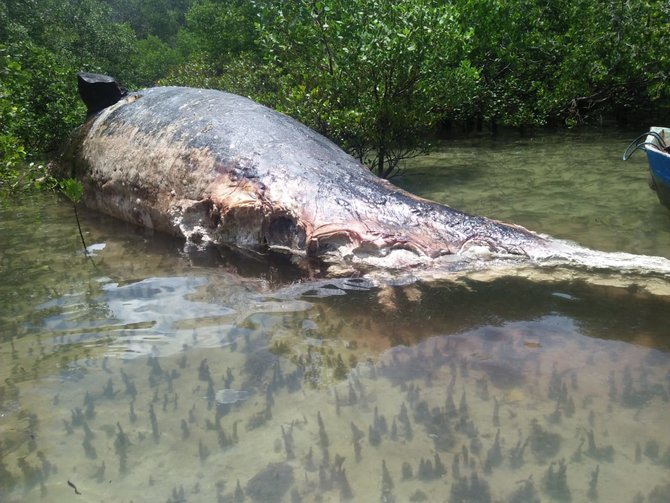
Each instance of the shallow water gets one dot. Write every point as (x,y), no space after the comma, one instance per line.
(570,185)
(154,373)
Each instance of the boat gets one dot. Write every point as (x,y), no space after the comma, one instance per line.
(656,144)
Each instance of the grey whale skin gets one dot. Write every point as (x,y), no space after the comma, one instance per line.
(218,168)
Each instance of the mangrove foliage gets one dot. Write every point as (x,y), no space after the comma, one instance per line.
(376,76)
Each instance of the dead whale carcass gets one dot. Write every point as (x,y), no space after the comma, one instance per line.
(218,168)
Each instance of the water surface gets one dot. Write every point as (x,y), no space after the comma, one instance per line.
(571,185)
(153,373)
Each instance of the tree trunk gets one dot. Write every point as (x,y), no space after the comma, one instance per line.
(381,155)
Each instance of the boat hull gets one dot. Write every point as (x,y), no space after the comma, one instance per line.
(659,169)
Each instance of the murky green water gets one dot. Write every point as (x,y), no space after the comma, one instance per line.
(570,185)
(151,373)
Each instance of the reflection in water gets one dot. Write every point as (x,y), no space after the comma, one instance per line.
(138,316)
(161,375)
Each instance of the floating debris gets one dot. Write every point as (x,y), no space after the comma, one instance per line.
(229,396)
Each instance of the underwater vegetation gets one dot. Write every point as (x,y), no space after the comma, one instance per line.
(518,413)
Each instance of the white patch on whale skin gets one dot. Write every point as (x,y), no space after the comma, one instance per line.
(566,252)
(387,258)
(185,217)
(476,249)
(288,250)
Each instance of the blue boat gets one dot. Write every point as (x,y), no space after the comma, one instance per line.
(656,144)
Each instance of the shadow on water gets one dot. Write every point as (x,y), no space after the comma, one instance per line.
(170,375)
(599,310)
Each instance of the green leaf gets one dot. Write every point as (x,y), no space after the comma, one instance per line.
(72,189)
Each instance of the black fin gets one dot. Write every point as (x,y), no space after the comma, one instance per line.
(98,91)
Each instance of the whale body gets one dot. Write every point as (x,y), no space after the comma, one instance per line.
(217,168)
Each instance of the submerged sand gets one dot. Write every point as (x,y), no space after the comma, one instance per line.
(514,412)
